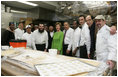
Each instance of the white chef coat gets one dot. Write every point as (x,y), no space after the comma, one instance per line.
(39,38)
(102,44)
(85,37)
(19,33)
(28,37)
(112,47)
(68,36)
(75,40)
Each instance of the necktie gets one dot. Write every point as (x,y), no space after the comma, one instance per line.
(80,27)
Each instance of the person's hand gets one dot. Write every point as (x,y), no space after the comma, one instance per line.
(74,52)
(58,52)
(67,51)
(112,30)
(88,56)
(110,63)
(45,50)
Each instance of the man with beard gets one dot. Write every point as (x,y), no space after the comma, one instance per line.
(102,41)
(8,34)
(40,39)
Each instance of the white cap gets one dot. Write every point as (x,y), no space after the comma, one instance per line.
(100,17)
(28,26)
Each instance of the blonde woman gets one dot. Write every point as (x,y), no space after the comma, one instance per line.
(57,42)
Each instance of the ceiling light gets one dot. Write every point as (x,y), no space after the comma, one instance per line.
(14,11)
(28,3)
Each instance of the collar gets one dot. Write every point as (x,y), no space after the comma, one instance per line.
(83,24)
(103,28)
(28,33)
(10,30)
(20,29)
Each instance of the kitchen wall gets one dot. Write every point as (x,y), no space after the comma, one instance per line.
(41,13)
(7,15)
(35,13)
(5,19)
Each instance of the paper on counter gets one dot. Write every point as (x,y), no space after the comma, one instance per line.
(37,57)
(64,68)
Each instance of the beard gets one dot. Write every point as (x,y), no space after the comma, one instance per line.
(41,31)
(98,25)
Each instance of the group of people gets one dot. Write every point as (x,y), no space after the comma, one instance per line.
(82,40)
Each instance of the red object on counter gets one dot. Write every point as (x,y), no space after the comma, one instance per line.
(18,43)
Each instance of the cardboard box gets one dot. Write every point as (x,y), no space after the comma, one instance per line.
(27,22)
(29,19)
(22,19)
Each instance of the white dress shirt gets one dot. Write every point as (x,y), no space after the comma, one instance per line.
(51,34)
(112,47)
(28,37)
(75,40)
(39,38)
(85,37)
(19,33)
(68,36)
(102,44)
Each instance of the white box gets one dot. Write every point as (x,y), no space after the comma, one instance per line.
(53,52)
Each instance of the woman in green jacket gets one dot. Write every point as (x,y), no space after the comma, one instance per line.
(57,42)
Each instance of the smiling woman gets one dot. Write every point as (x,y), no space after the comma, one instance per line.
(57,42)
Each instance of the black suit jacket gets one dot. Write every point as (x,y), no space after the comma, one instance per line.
(49,40)
(6,37)
(92,35)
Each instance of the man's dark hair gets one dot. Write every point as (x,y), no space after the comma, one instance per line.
(66,22)
(76,21)
(51,25)
(82,16)
(91,17)
(11,23)
(20,23)
(41,23)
